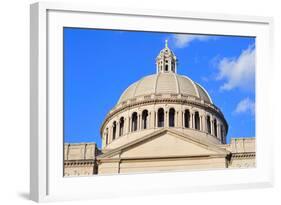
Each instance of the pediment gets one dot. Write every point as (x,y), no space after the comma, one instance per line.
(165,143)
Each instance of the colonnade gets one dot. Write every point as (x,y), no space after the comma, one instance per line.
(145,119)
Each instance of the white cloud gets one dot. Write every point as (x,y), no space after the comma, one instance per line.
(238,72)
(245,105)
(183,40)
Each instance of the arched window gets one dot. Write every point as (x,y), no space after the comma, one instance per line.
(215,128)
(114,131)
(166,67)
(208,124)
(222,134)
(121,126)
(134,121)
(106,136)
(186,118)
(144,119)
(160,116)
(197,121)
(172,117)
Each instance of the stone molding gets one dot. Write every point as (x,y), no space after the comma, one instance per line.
(79,162)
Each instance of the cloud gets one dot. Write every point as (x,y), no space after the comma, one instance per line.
(245,105)
(183,40)
(238,72)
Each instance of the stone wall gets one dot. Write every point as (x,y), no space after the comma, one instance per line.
(243,153)
(80,159)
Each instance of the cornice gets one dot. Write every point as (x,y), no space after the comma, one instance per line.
(243,155)
(79,162)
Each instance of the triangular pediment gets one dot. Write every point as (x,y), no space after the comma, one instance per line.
(165,143)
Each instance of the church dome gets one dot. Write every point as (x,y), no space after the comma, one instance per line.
(165,83)
(164,100)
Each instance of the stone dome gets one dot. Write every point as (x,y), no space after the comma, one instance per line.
(165,100)
(165,83)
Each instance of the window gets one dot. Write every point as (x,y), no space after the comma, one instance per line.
(172,117)
(215,128)
(222,134)
(160,116)
(166,67)
(208,124)
(186,118)
(197,121)
(134,121)
(114,131)
(121,126)
(144,119)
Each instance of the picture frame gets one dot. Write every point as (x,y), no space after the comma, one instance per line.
(46,70)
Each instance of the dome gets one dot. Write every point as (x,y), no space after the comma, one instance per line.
(164,100)
(165,83)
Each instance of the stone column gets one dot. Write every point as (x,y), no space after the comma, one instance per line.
(181,118)
(156,119)
(148,120)
(109,134)
(192,124)
(201,124)
(117,129)
(179,122)
(125,126)
(166,119)
(139,122)
(212,126)
(204,123)
(129,125)
(219,131)
(152,119)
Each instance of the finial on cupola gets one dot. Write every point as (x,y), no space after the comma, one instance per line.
(166,43)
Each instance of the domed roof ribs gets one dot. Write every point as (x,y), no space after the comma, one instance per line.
(195,88)
(205,92)
(126,91)
(178,86)
(136,87)
(155,85)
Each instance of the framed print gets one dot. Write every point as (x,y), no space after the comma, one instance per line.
(122,97)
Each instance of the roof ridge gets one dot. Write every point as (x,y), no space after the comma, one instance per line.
(193,83)
(205,91)
(137,84)
(177,81)
(156,82)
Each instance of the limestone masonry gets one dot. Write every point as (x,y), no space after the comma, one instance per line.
(163,122)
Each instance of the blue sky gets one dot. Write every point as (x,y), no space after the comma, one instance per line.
(100,64)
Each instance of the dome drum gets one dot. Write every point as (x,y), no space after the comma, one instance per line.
(134,127)
(168,98)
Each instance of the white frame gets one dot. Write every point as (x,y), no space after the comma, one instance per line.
(46,181)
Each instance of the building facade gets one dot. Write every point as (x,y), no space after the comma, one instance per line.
(163,122)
